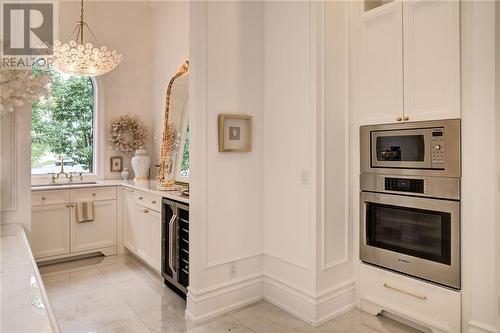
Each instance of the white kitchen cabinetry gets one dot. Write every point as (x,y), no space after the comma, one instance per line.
(99,233)
(431,35)
(50,230)
(409,61)
(434,307)
(55,231)
(145,227)
(381,64)
(128,219)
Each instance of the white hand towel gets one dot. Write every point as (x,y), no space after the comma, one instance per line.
(85,211)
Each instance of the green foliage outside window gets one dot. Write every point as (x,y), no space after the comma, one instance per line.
(185,155)
(62,123)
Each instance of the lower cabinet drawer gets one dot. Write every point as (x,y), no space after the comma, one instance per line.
(44,198)
(426,304)
(93,194)
(147,200)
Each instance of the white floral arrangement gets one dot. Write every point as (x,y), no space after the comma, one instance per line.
(128,134)
(20,87)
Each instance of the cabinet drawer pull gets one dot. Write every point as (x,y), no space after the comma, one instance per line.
(406,118)
(146,211)
(43,198)
(153,202)
(405,292)
(399,119)
(141,198)
(68,205)
(93,194)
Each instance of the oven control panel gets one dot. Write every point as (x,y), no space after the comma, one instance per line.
(404,185)
(437,147)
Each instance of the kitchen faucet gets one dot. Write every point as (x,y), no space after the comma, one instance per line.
(69,176)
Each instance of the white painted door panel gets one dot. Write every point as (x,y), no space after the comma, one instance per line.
(50,230)
(128,219)
(381,64)
(431,34)
(96,234)
(155,255)
(143,233)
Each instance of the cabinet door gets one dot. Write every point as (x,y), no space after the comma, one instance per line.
(128,219)
(50,230)
(96,234)
(380,54)
(431,59)
(155,254)
(143,233)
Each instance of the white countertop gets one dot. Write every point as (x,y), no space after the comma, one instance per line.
(149,187)
(24,306)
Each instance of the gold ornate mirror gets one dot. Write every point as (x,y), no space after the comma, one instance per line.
(174,154)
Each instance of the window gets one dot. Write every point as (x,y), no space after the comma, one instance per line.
(63,125)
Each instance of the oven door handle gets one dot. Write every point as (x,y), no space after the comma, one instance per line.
(171,254)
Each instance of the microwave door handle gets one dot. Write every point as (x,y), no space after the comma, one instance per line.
(171,253)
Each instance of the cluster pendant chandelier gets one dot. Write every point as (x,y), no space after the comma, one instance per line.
(80,59)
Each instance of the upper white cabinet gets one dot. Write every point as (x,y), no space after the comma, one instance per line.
(431,37)
(381,64)
(409,61)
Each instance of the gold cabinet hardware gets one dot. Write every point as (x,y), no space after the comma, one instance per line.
(406,118)
(153,202)
(146,211)
(93,194)
(405,292)
(43,198)
(399,119)
(140,198)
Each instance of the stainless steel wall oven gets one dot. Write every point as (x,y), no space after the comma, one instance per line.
(410,220)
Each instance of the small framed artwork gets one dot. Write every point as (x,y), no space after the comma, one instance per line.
(116,164)
(235,133)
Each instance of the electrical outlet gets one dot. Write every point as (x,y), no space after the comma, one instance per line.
(232,268)
(304,176)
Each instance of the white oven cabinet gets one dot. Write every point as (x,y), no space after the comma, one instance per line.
(381,64)
(128,219)
(50,230)
(431,38)
(408,61)
(99,233)
(432,306)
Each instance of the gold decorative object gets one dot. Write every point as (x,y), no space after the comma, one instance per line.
(128,134)
(170,139)
(80,59)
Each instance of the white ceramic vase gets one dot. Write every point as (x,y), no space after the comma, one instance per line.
(141,163)
(125,174)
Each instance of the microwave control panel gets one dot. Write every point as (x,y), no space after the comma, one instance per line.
(404,185)
(437,147)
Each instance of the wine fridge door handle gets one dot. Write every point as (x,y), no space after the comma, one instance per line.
(171,254)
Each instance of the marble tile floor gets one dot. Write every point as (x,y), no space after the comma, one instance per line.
(120,294)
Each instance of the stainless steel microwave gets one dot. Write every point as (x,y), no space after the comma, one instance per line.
(430,148)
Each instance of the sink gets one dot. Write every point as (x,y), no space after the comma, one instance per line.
(62,184)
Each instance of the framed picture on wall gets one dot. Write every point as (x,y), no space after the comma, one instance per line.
(235,133)
(116,164)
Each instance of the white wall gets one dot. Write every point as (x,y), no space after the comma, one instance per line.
(255,211)
(170,38)
(126,27)
(497,114)
(226,188)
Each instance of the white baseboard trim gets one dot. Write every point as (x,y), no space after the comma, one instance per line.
(478,327)
(214,302)
(314,309)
